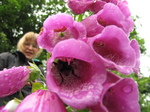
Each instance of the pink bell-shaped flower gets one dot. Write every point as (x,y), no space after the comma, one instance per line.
(41,101)
(118,95)
(112,15)
(114,47)
(79,6)
(57,28)
(13,79)
(75,73)
(109,15)
(99,5)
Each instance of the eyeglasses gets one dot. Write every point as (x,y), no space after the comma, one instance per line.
(27,44)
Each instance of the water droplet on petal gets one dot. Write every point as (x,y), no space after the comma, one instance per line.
(48,99)
(127,88)
(6,74)
(53,97)
(6,77)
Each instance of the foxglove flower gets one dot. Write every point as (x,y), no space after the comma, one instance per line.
(118,95)
(114,47)
(75,73)
(57,28)
(13,79)
(123,6)
(112,15)
(109,15)
(79,6)
(41,101)
(99,4)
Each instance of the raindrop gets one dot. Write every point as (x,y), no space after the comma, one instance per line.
(47,100)
(76,92)
(53,97)
(6,74)
(127,88)
(6,77)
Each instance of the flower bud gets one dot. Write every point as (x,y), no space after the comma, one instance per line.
(12,80)
(41,101)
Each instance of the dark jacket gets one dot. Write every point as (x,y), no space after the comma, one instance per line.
(8,60)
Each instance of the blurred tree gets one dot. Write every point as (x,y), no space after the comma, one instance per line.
(144,89)
(18,17)
(4,42)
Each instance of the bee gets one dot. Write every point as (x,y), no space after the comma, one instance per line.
(65,69)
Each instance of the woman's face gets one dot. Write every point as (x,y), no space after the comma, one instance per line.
(30,49)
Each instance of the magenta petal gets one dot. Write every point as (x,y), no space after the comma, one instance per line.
(92,26)
(110,81)
(113,1)
(12,80)
(97,6)
(79,6)
(122,97)
(57,28)
(118,95)
(123,6)
(1,109)
(78,31)
(136,47)
(48,37)
(41,101)
(78,76)
(114,47)
(112,15)
(57,21)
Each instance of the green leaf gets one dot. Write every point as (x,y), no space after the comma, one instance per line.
(69,109)
(37,85)
(35,72)
(21,95)
(17,100)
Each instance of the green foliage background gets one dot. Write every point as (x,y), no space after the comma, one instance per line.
(20,16)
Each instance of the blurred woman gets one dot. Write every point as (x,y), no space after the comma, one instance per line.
(27,51)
